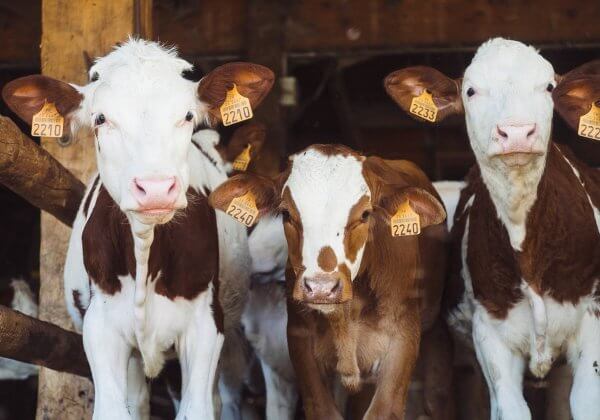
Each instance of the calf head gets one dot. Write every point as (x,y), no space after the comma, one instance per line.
(142,112)
(506,95)
(331,200)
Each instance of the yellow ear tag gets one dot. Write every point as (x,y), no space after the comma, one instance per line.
(243,209)
(47,122)
(589,124)
(423,106)
(236,108)
(406,222)
(242,160)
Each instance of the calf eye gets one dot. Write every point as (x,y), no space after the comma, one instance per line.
(94,77)
(365,216)
(470,92)
(100,119)
(550,87)
(285,215)
(189,116)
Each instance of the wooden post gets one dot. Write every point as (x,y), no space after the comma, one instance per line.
(69,31)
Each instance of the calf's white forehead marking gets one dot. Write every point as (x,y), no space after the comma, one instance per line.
(324,189)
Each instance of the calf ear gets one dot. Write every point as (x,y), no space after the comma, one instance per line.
(252,81)
(406,84)
(253,134)
(429,209)
(26,96)
(262,188)
(577,91)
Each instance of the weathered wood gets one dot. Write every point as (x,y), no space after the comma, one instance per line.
(68,30)
(33,341)
(35,175)
(212,28)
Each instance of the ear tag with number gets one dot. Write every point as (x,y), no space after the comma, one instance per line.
(423,106)
(47,122)
(406,222)
(589,124)
(242,160)
(243,209)
(236,108)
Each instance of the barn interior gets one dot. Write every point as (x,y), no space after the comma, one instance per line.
(330,57)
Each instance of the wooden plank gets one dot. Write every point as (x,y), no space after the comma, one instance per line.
(213,28)
(92,27)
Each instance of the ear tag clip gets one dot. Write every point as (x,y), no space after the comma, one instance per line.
(589,124)
(47,122)
(242,160)
(236,108)
(406,222)
(423,106)
(243,209)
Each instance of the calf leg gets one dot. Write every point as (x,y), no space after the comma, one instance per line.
(199,349)
(108,354)
(233,367)
(389,400)
(584,356)
(138,397)
(503,370)
(282,394)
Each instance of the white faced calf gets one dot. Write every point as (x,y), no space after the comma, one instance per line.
(356,295)
(527,222)
(136,282)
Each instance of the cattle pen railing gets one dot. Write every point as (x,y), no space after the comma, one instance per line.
(31,172)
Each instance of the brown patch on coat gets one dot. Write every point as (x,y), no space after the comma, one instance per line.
(327,259)
(357,228)
(185,251)
(561,240)
(334,150)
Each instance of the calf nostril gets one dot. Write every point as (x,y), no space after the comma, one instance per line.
(501,133)
(173,187)
(336,287)
(139,188)
(530,133)
(307,287)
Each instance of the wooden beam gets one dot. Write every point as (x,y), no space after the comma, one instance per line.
(32,172)
(68,31)
(30,340)
(343,26)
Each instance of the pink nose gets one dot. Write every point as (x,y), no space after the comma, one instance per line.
(516,137)
(155,193)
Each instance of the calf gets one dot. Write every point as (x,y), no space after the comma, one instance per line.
(356,295)
(150,267)
(527,223)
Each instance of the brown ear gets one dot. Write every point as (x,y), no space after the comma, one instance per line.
(252,81)
(26,96)
(263,188)
(403,85)
(577,91)
(253,134)
(429,208)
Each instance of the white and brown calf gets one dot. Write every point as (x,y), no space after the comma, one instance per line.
(150,267)
(356,296)
(527,224)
